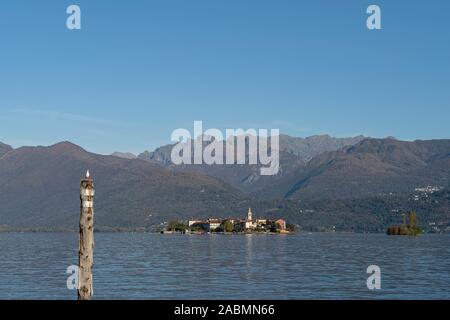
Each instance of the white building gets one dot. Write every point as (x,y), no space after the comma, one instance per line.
(249,223)
(213,224)
(192,222)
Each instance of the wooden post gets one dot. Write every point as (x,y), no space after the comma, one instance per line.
(86,252)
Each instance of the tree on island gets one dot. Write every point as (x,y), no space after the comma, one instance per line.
(412,219)
(413,229)
(177,226)
(238,228)
(276,227)
(227,226)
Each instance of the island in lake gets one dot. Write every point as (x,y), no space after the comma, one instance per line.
(406,229)
(230,225)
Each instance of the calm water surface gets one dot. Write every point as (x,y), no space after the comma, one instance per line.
(302,266)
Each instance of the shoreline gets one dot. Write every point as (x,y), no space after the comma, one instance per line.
(61,231)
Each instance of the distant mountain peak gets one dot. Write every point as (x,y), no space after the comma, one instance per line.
(124,155)
(65,143)
(323,135)
(4,149)
(66,147)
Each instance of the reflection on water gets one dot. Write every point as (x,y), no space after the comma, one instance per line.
(152,266)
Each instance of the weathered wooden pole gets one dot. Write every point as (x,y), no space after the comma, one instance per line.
(86,252)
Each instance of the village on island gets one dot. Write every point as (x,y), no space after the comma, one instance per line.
(230,225)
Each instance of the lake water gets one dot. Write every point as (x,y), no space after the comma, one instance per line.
(301,266)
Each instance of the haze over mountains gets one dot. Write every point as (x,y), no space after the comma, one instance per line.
(353,183)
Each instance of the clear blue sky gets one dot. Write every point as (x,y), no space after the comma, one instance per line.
(139,69)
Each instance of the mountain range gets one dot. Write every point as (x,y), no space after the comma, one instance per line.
(357,184)
(40,187)
(295,153)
